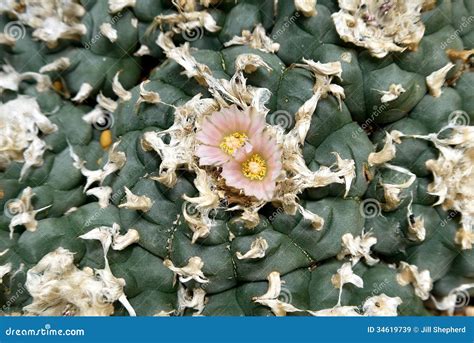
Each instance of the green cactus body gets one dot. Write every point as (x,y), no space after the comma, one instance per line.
(365,231)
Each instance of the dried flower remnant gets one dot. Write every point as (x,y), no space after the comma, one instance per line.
(136,202)
(436,80)
(188,21)
(462,55)
(270,298)
(381,305)
(380,26)
(378,305)
(109,32)
(195,299)
(416,226)
(393,92)
(102,194)
(116,160)
(191,271)
(84,91)
(59,288)
(336,311)
(60,64)
(10,79)
(257,250)
(197,215)
(118,5)
(392,192)
(51,20)
(23,212)
(453,175)
(111,237)
(257,39)
(119,90)
(4,270)
(345,275)
(307,7)
(420,280)
(387,153)
(21,126)
(143,50)
(358,247)
(147,96)
(464,237)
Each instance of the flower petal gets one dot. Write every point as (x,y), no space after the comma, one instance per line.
(209,155)
(209,135)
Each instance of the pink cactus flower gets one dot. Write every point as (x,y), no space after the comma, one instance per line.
(225,132)
(255,172)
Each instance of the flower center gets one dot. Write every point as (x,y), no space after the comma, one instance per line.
(233,142)
(255,168)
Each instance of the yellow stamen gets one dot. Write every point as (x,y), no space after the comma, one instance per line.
(233,142)
(255,168)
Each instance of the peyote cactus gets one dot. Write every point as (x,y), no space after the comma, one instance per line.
(114,36)
(285,162)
